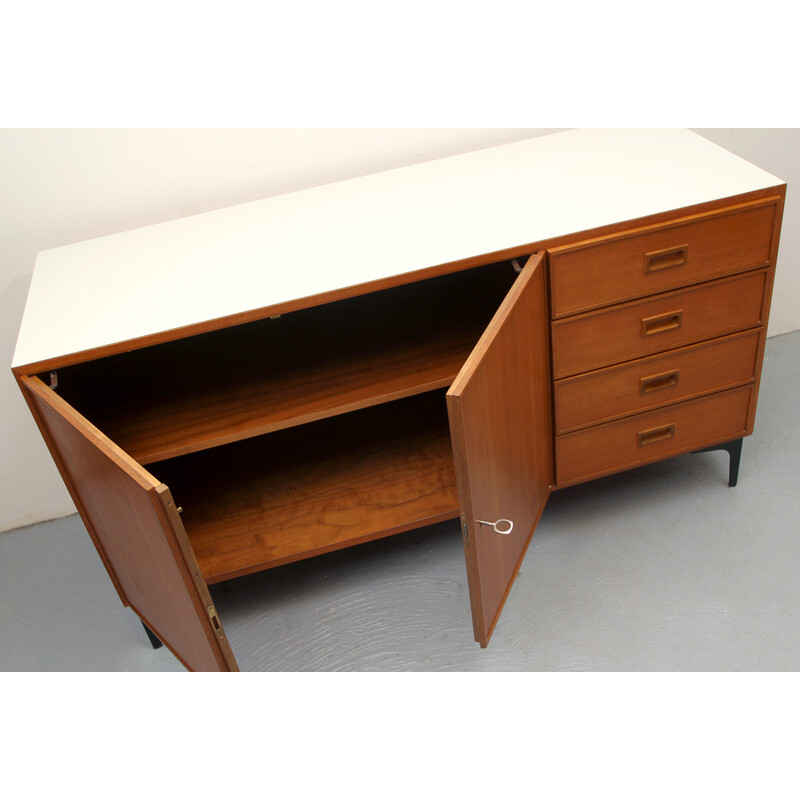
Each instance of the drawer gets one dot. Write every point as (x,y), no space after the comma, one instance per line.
(647,383)
(651,436)
(645,327)
(637,263)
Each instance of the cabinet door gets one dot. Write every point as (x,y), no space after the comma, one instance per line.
(499,408)
(138,533)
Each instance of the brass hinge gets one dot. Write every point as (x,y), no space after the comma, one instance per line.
(465,530)
(212,615)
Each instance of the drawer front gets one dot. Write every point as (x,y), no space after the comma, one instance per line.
(648,383)
(652,436)
(600,272)
(645,327)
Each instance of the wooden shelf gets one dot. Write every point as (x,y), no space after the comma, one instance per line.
(222,387)
(223,414)
(316,488)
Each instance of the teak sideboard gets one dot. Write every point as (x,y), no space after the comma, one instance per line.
(244,388)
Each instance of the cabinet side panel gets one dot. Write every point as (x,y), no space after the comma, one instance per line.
(128,514)
(776,235)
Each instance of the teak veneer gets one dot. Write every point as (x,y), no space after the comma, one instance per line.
(242,514)
(455,339)
(277,373)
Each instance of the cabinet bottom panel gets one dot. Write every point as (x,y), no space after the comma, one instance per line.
(652,436)
(317,488)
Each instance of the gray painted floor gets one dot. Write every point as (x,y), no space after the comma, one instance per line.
(660,568)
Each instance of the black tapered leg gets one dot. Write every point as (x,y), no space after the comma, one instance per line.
(734,449)
(154,640)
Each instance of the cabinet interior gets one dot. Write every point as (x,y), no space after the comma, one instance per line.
(313,488)
(296,435)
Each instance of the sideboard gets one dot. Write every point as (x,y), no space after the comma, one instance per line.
(455,339)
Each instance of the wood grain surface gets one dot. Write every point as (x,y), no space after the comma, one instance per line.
(666,378)
(316,488)
(210,390)
(499,409)
(651,436)
(134,523)
(673,319)
(644,261)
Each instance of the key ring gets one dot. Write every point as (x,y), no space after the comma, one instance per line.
(493,526)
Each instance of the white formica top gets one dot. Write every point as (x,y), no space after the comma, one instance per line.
(135,284)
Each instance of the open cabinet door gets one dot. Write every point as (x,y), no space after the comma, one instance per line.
(499,409)
(135,526)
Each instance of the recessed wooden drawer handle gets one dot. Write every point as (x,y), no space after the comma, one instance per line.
(664,259)
(507,524)
(662,322)
(654,435)
(661,381)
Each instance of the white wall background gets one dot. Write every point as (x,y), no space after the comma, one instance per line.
(63,186)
